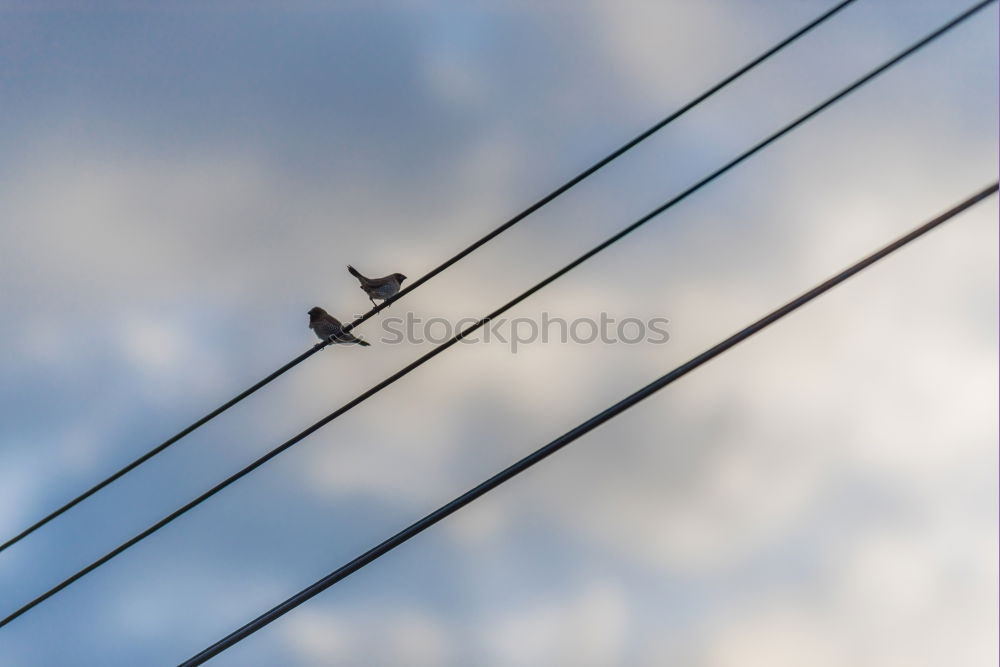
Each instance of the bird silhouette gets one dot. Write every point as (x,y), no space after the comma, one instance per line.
(379,288)
(328,328)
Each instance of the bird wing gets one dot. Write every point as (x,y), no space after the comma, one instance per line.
(331,320)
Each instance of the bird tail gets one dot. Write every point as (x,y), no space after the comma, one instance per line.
(363,343)
(354,272)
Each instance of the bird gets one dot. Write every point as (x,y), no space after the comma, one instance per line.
(379,288)
(329,329)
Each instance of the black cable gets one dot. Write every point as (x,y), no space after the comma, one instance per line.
(568,437)
(524,295)
(420,281)
(618,153)
(159,448)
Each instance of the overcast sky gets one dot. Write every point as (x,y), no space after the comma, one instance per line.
(180,182)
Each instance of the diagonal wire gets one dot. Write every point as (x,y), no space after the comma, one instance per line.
(524,295)
(568,437)
(420,281)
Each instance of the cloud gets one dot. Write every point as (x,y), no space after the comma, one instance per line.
(589,629)
(411,637)
(838,468)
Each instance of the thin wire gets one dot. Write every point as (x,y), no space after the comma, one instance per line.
(568,437)
(159,448)
(524,295)
(618,153)
(420,281)
(429,355)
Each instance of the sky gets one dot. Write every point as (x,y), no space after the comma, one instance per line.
(181,182)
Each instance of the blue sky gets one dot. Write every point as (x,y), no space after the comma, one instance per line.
(181,182)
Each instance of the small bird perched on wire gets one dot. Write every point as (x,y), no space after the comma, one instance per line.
(329,328)
(379,288)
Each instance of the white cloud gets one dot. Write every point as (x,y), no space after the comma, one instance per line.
(587,630)
(402,637)
(888,384)
(779,636)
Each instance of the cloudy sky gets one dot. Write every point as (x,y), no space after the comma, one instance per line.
(180,182)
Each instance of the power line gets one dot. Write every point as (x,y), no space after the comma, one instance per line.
(420,281)
(426,357)
(524,295)
(621,151)
(568,437)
